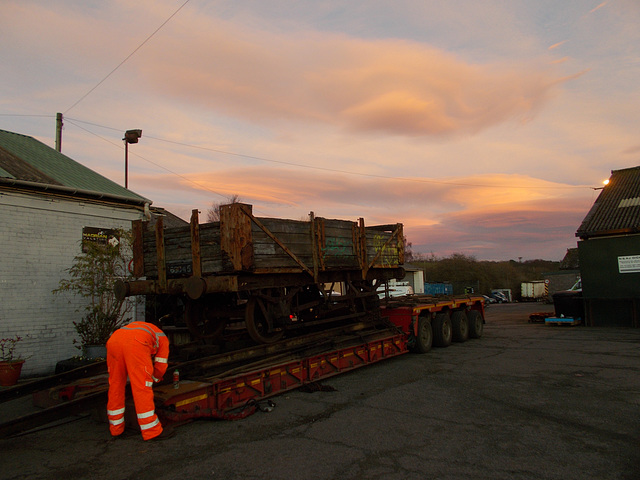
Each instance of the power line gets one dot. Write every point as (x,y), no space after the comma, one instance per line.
(25,115)
(333,170)
(128,57)
(147,160)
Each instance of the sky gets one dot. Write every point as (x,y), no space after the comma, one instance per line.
(486,128)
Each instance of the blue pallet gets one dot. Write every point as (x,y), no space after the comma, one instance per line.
(563,321)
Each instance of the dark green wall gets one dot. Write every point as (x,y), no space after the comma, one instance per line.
(599,267)
(611,298)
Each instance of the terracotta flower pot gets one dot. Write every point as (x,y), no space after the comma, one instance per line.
(10,372)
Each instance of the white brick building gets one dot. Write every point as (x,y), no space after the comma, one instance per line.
(46,200)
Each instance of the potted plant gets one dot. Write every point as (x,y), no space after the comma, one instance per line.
(10,364)
(92,277)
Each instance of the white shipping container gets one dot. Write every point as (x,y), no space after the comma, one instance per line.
(533,290)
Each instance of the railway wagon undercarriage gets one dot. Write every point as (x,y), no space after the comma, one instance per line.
(265,276)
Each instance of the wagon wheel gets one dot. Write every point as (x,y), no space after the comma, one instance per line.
(202,322)
(259,322)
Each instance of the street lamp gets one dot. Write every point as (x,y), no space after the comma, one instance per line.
(130,136)
(604,184)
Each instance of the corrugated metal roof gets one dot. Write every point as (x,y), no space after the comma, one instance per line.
(617,209)
(571,260)
(26,159)
(169,221)
(5,174)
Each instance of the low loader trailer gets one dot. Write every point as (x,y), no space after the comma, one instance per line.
(412,323)
(235,384)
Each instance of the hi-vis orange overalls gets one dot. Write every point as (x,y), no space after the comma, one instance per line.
(129,352)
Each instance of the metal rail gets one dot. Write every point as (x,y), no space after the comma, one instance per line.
(93,397)
(40,384)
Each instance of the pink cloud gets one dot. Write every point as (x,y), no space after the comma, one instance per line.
(546,227)
(541,217)
(391,86)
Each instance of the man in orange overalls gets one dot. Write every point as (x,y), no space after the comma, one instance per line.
(130,350)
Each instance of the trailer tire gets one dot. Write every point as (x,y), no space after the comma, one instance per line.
(442,331)
(476,323)
(460,326)
(424,339)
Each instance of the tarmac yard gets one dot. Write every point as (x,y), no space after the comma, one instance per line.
(526,401)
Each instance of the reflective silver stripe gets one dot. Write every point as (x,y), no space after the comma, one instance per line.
(148,414)
(149,425)
(120,411)
(139,327)
(161,360)
(155,379)
(117,422)
(148,330)
(148,384)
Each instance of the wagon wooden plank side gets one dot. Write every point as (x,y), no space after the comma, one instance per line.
(272,271)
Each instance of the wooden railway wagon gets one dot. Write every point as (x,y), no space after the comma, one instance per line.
(272,274)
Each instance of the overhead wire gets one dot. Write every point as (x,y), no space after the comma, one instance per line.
(25,115)
(128,57)
(204,187)
(253,157)
(333,170)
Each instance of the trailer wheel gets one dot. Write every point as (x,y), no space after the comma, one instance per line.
(424,339)
(259,324)
(476,323)
(442,332)
(460,326)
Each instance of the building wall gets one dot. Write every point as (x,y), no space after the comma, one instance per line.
(39,238)
(416,280)
(610,286)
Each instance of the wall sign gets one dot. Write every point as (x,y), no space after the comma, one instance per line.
(101,236)
(629,264)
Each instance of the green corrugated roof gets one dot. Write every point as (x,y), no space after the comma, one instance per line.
(5,174)
(617,209)
(57,166)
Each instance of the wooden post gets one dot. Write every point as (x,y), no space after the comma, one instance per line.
(314,246)
(235,235)
(196,258)
(162,265)
(400,240)
(322,243)
(362,245)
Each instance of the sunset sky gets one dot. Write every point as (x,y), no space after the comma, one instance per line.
(483,126)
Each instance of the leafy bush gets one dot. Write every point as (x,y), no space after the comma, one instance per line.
(92,277)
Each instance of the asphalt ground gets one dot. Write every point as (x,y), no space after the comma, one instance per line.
(526,401)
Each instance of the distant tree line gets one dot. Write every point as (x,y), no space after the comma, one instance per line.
(464,271)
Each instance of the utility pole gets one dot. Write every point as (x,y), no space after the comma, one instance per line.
(59,132)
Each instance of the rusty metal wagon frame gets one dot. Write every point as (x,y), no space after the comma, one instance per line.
(271,272)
